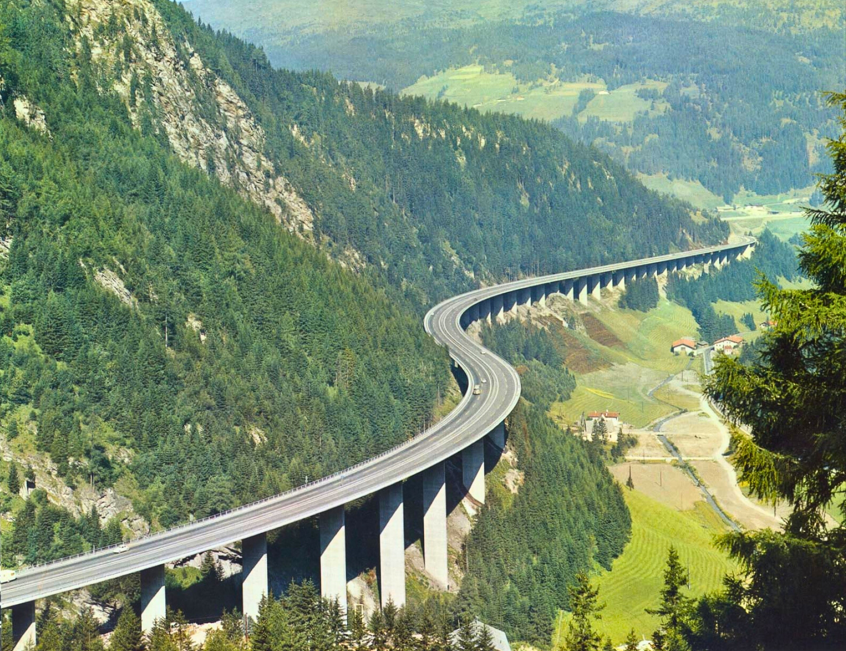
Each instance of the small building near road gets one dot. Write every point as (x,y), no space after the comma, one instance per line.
(728,345)
(683,346)
(611,419)
(768,325)
(27,488)
(498,638)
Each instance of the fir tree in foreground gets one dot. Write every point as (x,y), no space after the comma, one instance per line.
(791,399)
(585,606)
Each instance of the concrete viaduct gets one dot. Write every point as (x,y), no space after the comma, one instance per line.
(462,432)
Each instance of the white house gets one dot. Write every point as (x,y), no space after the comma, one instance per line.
(728,344)
(683,346)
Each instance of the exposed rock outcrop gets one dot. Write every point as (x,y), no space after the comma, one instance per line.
(30,115)
(216,132)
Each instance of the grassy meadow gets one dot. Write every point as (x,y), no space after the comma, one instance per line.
(635,579)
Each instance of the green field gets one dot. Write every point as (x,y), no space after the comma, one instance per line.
(691,191)
(543,99)
(635,579)
(621,104)
(493,91)
(648,336)
(639,367)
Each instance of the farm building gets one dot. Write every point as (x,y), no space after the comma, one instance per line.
(728,344)
(683,346)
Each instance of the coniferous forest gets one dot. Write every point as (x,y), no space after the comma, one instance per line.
(771,258)
(517,569)
(163,336)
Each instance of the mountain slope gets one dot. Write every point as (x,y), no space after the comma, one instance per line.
(172,327)
(432,197)
(162,335)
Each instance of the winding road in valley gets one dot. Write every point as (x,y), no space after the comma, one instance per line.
(473,418)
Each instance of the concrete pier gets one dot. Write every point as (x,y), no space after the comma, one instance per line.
(391,546)
(153,597)
(435,554)
(485,310)
(496,309)
(473,470)
(497,436)
(333,555)
(253,574)
(567,289)
(581,291)
(596,287)
(23,626)
(514,301)
(620,279)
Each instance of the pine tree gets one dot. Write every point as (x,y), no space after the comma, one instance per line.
(631,641)
(86,633)
(127,634)
(675,606)
(261,632)
(358,629)
(790,398)
(379,639)
(466,640)
(485,641)
(584,604)
(13,482)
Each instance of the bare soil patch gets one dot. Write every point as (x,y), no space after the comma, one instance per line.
(749,515)
(578,358)
(648,446)
(597,331)
(660,481)
(694,434)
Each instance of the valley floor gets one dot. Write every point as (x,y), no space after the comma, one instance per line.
(626,366)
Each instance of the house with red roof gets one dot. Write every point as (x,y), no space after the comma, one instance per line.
(728,344)
(683,346)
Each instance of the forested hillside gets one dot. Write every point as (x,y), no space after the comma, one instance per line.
(568,515)
(163,335)
(436,196)
(687,92)
(183,338)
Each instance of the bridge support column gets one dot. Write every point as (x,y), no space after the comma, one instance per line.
(435,524)
(391,546)
(662,268)
(596,287)
(652,270)
(496,308)
(473,470)
(153,597)
(580,289)
(485,310)
(253,574)
(619,279)
(333,555)
(497,436)
(567,289)
(515,301)
(23,626)
(474,313)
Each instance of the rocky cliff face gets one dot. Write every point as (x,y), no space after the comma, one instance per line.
(166,82)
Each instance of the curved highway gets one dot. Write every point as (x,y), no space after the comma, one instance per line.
(472,419)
